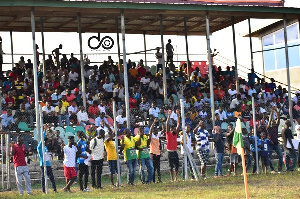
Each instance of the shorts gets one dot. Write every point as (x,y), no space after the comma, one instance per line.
(173,160)
(203,156)
(112,166)
(234,158)
(70,172)
(264,160)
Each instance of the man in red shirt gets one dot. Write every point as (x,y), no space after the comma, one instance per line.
(142,71)
(10,101)
(93,110)
(171,136)
(18,151)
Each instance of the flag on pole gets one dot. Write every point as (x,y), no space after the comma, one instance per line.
(238,137)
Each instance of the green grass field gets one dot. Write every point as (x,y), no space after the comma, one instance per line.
(284,185)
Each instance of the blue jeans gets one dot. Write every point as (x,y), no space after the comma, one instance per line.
(64,117)
(150,169)
(219,164)
(248,161)
(277,150)
(131,164)
(291,154)
(49,175)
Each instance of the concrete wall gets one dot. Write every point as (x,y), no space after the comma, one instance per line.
(281,76)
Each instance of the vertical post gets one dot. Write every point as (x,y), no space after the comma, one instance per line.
(125,70)
(288,72)
(36,92)
(186,177)
(163,58)
(118,42)
(187,51)
(2,161)
(145,47)
(212,100)
(43,47)
(251,48)
(255,134)
(43,150)
(8,162)
(235,56)
(12,49)
(117,143)
(81,61)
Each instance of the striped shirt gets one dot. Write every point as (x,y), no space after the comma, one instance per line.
(82,144)
(202,140)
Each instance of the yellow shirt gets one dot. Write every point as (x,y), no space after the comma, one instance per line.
(129,148)
(65,103)
(62,111)
(145,153)
(111,150)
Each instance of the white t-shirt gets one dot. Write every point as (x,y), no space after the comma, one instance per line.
(70,156)
(145,80)
(120,119)
(231,92)
(234,103)
(73,76)
(82,116)
(72,109)
(153,85)
(108,87)
(188,143)
(154,111)
(101,109)
(159,58)
(298,131)
(45,108)
(97,148)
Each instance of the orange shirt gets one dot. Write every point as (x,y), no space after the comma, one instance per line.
(155,144)
(133,72)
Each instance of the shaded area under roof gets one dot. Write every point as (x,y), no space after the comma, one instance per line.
(61,16)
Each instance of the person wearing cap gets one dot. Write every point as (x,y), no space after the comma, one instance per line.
(50,175)
(111,155)
(83,168)
(142,143)
(70,151)
(171,136)
(97,152)
(128,144)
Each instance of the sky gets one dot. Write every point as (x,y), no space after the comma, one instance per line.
(221,40)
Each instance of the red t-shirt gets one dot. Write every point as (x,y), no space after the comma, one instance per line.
(19,156)
(142,71)
(93,110)
(70,97)
(56,85)
(10,101)
(132,100)
(171,141)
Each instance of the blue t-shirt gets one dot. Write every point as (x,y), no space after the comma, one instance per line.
(40,152)
(82,144)
(252,145)
(265,147)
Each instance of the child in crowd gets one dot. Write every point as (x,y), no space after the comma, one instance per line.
(265,142)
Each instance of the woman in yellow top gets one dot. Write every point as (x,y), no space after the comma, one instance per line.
(111,154)
(128,143)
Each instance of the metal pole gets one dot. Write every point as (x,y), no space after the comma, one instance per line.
(2,161)
(116,143)
(81,61)
(36,92)
(250,38)
(186,177)
(288,72)
(187,51)
(255,140)
(235,56)
(125,70)
(8,182)
(119,54)
(12,49)
(43,151)
(212,100)
(193,164)
(163,58)
(145,47)
(43,47)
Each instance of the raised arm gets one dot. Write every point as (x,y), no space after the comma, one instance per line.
(270,118)
(168,121)
(178,120)
(197,127)
(277,115)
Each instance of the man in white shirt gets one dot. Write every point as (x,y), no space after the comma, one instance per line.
(49,114)
(153,85)
(154,110)
(232,91)
(82,117)
(108,87)
(121,120)
(73,76)
(235,102)
(70,152)
(73,109)
(97,152)
(221,113)
(158,56)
